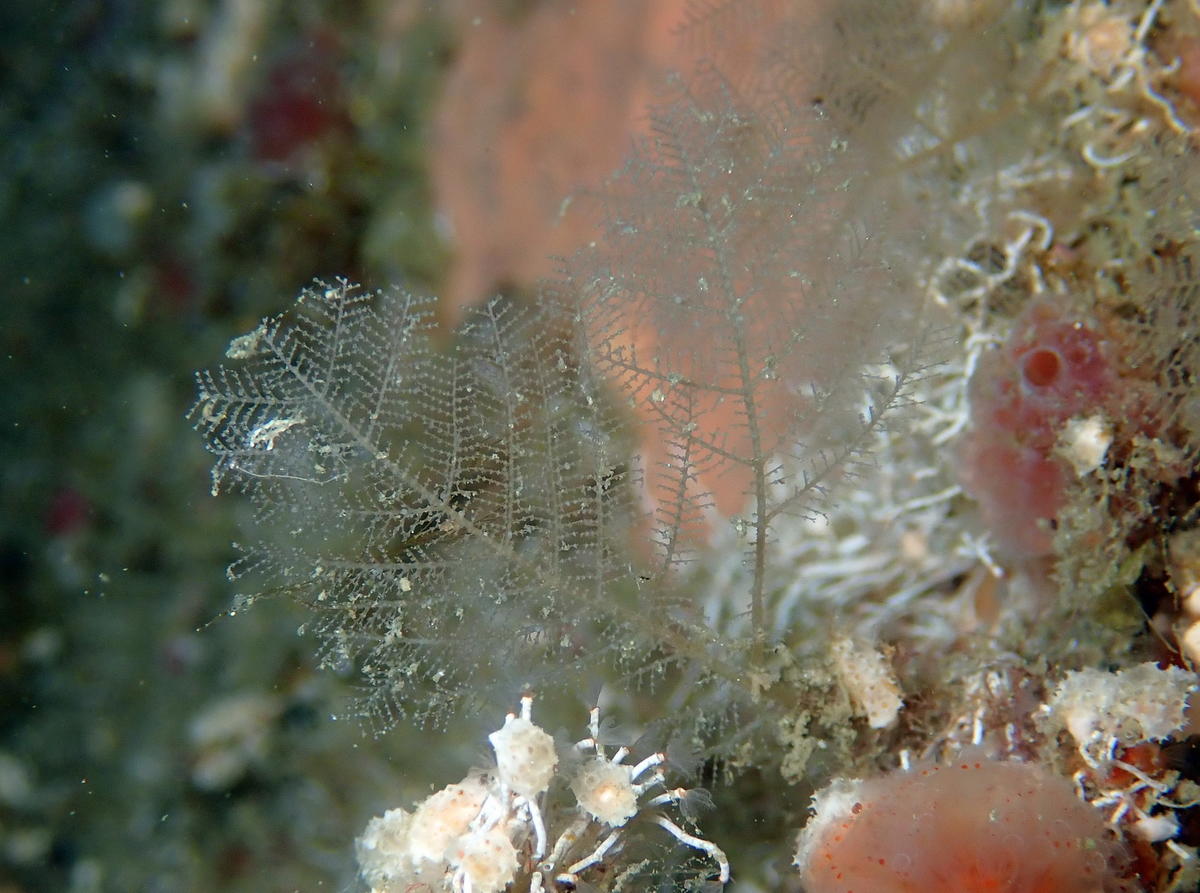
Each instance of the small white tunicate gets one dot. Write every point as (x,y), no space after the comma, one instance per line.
(605,791)
(525,756)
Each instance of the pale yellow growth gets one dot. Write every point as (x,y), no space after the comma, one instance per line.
(605,790)
(444,817)
(1142,703)
(867,677)
(525,756)
(487,860)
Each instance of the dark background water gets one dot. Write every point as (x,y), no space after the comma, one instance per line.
(170,173)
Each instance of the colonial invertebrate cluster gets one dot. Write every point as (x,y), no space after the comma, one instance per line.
(489,831)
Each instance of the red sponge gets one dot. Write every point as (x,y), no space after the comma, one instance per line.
(975,827)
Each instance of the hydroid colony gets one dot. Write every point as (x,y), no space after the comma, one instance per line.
(864,438)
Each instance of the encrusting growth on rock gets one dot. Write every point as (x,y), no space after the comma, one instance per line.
(977,826)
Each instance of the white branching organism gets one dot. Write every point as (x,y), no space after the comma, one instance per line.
(487,833)
(1117,721)
(610,792)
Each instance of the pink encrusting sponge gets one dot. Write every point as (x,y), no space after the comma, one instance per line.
(1023,395)
(971,827)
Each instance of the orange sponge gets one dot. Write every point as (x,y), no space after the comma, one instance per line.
(971,827)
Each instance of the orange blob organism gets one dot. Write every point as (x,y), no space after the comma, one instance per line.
(978,826)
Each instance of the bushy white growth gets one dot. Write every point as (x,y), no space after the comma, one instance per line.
(1113,716)
(605,790)
(525,756)
(1142,703)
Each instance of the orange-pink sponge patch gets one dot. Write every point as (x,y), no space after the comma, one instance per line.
(1023,394)
(982,825)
